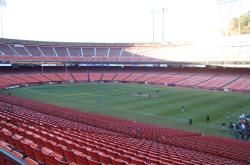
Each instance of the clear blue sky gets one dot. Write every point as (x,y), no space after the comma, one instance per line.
(114,20)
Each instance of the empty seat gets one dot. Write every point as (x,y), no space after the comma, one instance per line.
(69,155)
(27,147)
(49,156)
(39,156)
(81,158)
(61,161)
(17,142)
(93,154)
(58,148)
(104,158)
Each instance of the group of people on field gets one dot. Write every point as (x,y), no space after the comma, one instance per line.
(242,128)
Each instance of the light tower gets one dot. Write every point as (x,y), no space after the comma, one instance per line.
(2,4)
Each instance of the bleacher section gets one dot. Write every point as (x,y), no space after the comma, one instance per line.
(102,52)
(47,51)
(65,76)
(80,76)
(33,50)
(216,80)
(134,76)
(39,77)
(240,85)
(122,76)
(61,51)
(75,51)
(52,77)
(95,76)
(36,52)
(22,51)
(193,81)
(108,76)
(45,134)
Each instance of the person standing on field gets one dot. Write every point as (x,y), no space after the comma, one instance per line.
(182,108)
(208,118)
(228,115)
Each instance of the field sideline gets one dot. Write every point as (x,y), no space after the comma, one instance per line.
(122,100)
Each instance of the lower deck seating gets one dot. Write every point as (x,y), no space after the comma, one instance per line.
(217,82)
(193,81)
(65,76)
(240,85)
(78,76)
(134,76)
(53,77)
(39,77)
(95,76)
(47,134)
(121,76)
(206,80)
(108,76)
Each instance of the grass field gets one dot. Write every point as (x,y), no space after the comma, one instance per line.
(163,108)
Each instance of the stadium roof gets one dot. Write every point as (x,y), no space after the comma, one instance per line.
(32,42)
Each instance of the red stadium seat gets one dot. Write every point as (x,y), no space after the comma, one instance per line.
(27,148)
(49,156)
(39,156)
(69,155)
(59,161)
(104,158)
(81,158)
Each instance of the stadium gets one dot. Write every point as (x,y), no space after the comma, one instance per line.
(124,99)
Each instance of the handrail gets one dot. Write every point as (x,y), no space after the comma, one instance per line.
(12,157)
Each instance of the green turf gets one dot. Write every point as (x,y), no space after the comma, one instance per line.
(164,108)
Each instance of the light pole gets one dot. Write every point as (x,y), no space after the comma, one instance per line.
(163,24)
(2,4)
(161,11)
(153,16)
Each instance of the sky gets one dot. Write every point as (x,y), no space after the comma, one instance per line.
(116,20)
